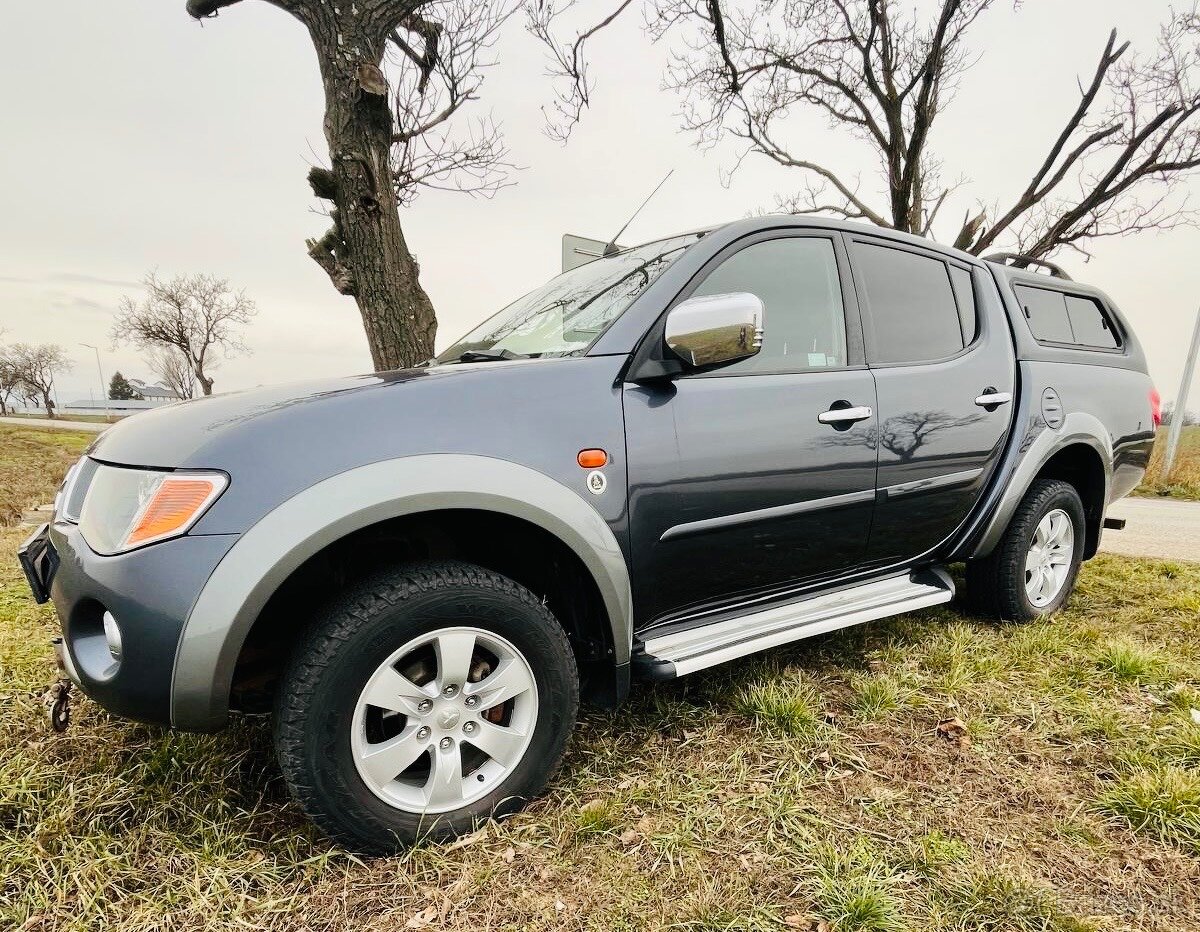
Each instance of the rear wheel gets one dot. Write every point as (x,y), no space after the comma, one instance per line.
(1033,569)
(429,698)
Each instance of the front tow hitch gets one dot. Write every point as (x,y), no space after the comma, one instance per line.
(58,697)
(58,704)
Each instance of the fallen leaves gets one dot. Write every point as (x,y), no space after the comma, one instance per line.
(806,923)
(954,730)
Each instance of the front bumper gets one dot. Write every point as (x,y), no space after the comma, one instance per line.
(148,591)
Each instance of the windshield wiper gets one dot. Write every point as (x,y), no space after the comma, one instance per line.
(489,355)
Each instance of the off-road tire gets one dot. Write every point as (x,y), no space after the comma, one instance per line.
(996,584)
(355,634)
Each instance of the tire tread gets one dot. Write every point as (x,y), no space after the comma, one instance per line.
(327,637)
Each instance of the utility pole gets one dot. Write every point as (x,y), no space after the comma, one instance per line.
(1179,414)
(103,384)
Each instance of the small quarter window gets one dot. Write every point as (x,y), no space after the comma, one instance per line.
(964,295)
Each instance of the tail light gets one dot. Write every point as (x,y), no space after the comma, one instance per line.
(1155,407)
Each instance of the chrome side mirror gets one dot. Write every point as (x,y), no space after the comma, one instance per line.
(715,330)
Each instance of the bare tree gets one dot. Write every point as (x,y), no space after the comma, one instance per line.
(884,73)
(11,383)
(387,139)
(196,316)
(171,368)
(36,368)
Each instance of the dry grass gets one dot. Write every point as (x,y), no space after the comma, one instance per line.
(32,464)
(84,418)
(804,785)
(1184,481)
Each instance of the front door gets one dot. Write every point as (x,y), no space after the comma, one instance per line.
(737,489)
(938,344)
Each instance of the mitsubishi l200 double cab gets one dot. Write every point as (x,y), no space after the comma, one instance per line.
(667,458)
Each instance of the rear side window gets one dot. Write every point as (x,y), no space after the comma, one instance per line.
(913,316)
(1055,317)
(1090,324)
(1046,312)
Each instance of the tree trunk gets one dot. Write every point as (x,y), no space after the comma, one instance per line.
(49,405)
(206,383)
(365,253)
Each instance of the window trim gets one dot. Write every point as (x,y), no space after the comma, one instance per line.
(1114,326)
(651,345)
(981,327)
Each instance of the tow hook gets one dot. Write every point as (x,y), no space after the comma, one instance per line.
(58,704)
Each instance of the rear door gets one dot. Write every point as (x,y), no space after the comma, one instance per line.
(737,489)
(938,344)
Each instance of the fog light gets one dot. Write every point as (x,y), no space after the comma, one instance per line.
(112,635)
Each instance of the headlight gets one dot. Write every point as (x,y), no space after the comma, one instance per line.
(128,508)
(69,501)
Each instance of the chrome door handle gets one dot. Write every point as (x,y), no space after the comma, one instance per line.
(990,398)
(844,415)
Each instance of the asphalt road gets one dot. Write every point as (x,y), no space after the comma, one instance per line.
(41,422)
(1157,527)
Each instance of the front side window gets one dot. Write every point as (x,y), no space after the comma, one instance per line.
(913,316)
(569,312)
(796,278)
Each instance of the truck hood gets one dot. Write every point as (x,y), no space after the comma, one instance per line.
(176,435)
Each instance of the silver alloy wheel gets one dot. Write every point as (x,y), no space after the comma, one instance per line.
(451,735)
(1049,560)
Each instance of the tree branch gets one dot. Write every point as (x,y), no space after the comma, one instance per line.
(199,9)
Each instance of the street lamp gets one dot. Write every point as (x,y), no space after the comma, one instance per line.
(103,384)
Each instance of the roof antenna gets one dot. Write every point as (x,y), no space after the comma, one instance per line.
(612,249)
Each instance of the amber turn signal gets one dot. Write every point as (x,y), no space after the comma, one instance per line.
(176,503)
(592,459)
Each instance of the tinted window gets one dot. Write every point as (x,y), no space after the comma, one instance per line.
(913,314)
(1046,312)
(1090,324)
(964,294)
(796,278)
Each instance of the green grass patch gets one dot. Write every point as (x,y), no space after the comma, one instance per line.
(1130,663)
(32,465)
(855,888)
(1163,802)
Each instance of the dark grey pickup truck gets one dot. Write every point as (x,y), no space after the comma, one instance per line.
(664,459)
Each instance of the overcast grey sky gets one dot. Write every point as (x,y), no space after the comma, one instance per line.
(145,140)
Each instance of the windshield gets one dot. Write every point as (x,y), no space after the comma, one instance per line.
(567,313)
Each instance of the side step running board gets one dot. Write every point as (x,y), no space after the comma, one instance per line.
(678,653)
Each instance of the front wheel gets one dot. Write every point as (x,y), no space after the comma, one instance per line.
(427,699)
(1033,569)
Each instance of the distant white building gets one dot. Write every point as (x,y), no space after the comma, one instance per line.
(152,396)
(159,394)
